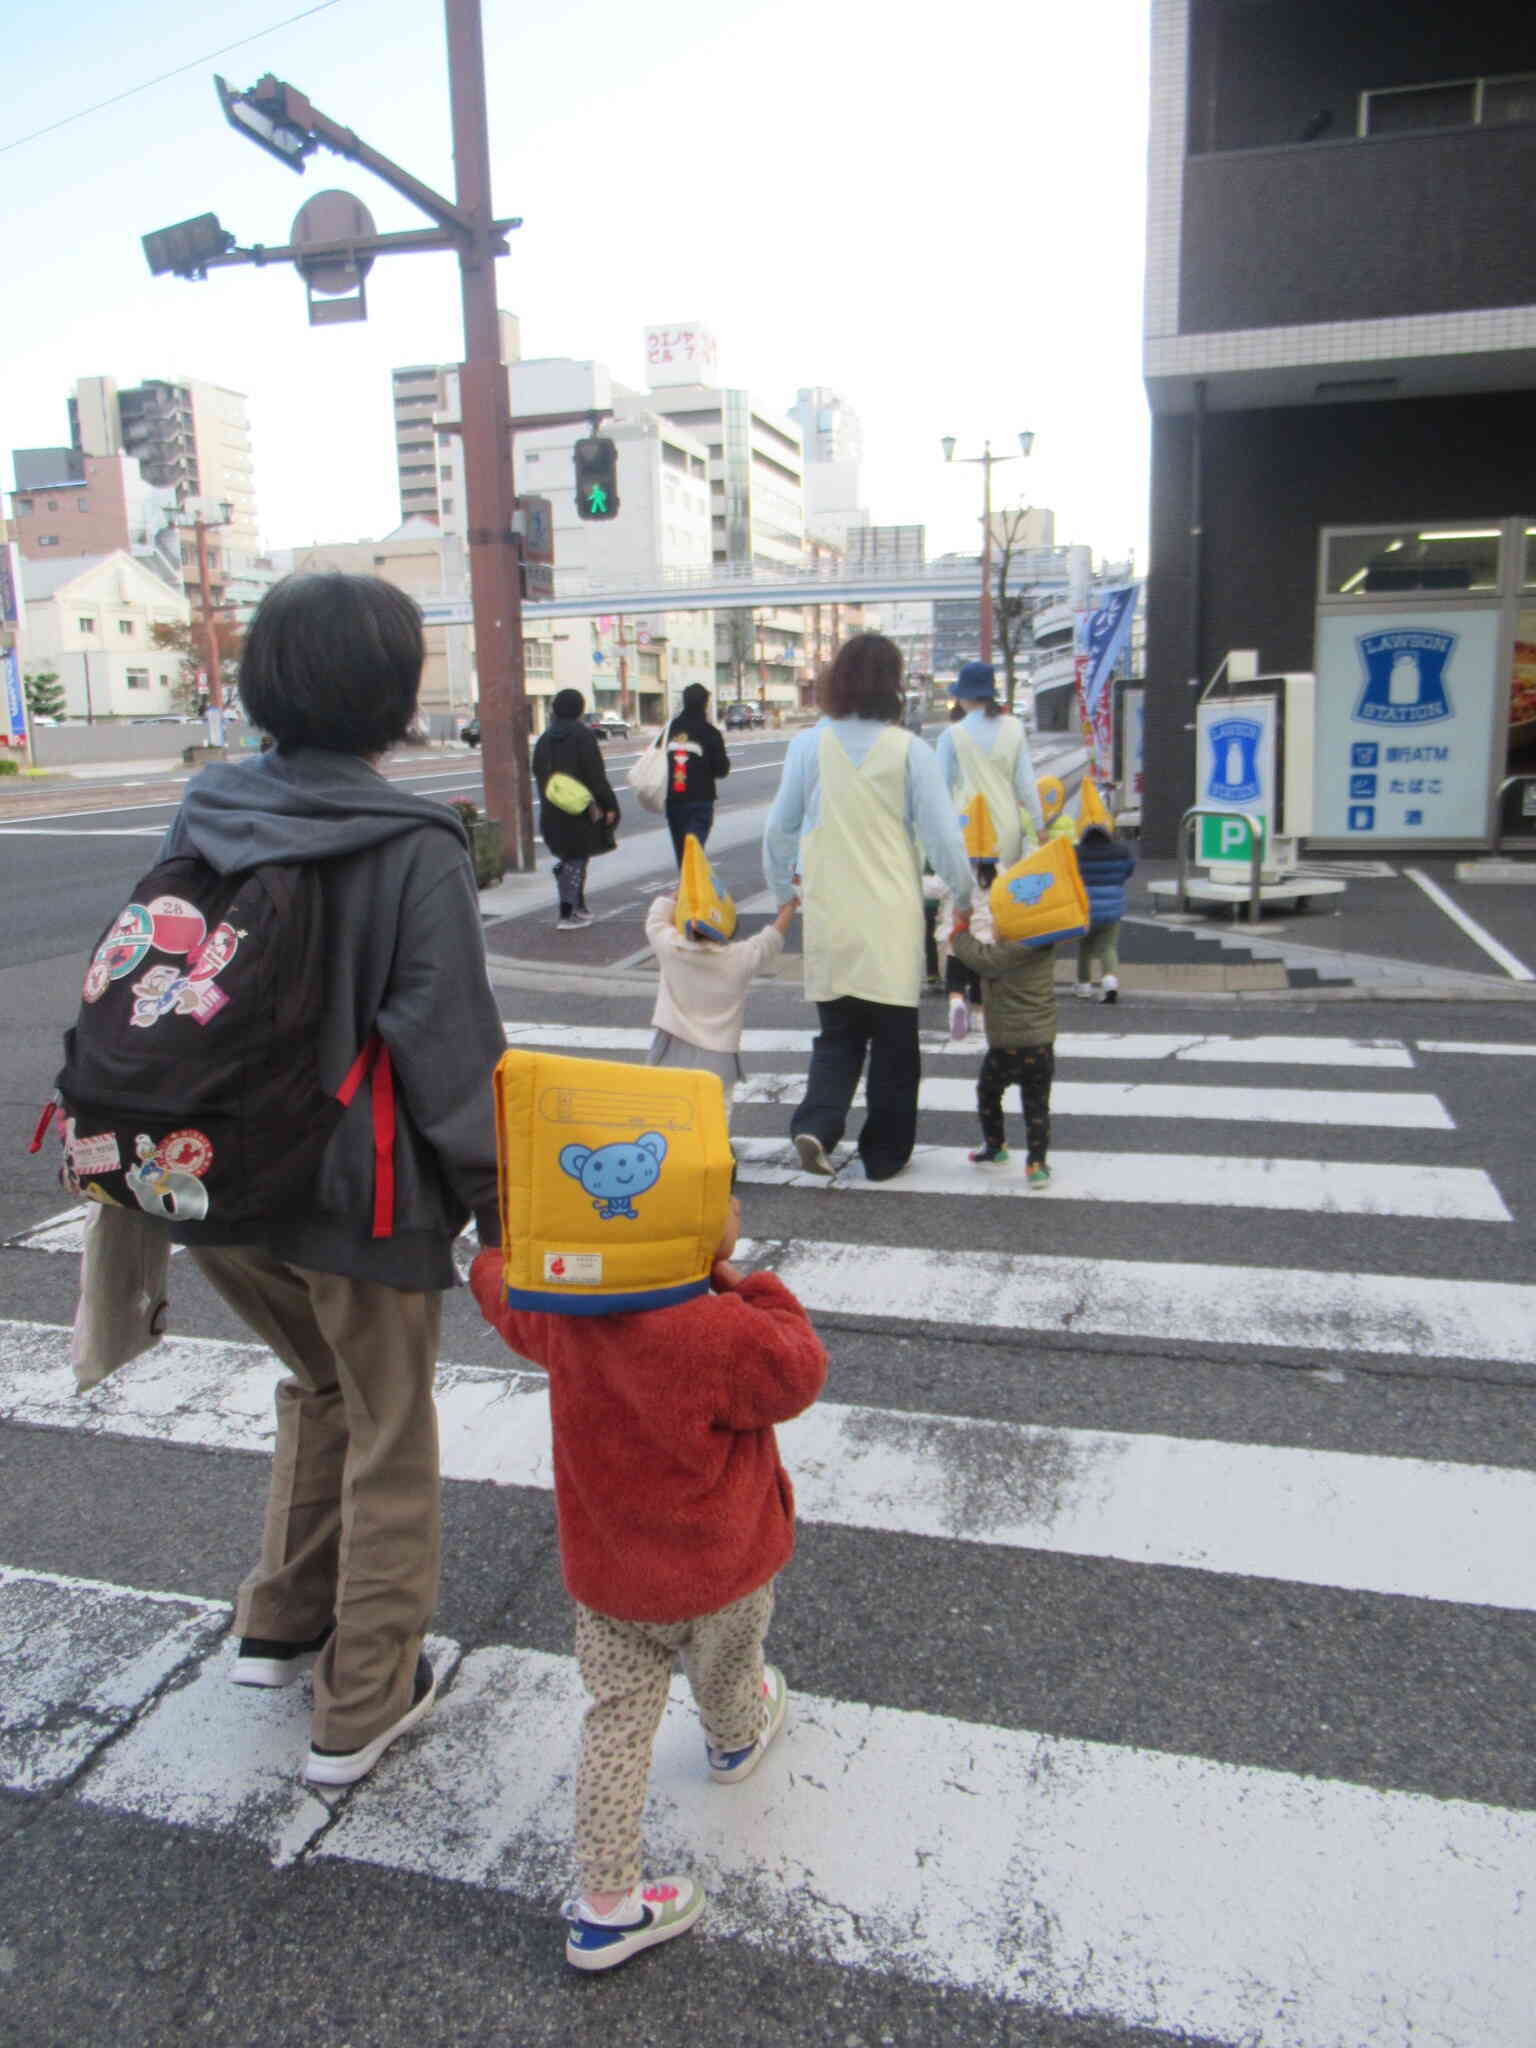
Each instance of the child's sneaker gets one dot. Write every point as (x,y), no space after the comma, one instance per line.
(730,1766)
(1109,989)
(657,1909)
(1084,990)
(813,1155)
(989,1155)
(1038,1176)
(959,1018)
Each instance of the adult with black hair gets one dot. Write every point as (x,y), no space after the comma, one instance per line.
(568,766)
(860,803)
(696,761)
(348,1571)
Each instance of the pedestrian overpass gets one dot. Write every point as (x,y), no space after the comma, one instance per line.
(699,590)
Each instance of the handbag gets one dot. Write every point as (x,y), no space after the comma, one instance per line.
(122,1307)
(648,775)
(567,794)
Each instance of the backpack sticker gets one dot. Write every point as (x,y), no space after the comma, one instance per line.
(90,1155)
(167,1179)
(615,1175)
(214,954)
(120,951)
(155,994)
(177,925)
(576,1269)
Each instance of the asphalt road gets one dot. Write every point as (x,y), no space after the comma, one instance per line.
(1395,1337)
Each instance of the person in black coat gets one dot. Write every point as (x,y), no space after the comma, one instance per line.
(696,761)
(568,746)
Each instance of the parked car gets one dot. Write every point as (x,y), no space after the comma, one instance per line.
(608,725)
(743,714)
(469,732)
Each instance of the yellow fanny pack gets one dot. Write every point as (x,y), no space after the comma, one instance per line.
(704,910)
(1041,898)
(614,1182)
(567,794)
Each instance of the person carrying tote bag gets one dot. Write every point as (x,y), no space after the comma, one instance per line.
(648,776)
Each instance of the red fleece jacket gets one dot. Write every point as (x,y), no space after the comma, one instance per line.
(670,1495)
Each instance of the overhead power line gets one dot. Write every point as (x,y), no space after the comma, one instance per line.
(118,97)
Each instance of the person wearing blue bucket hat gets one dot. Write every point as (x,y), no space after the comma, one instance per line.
(985,758)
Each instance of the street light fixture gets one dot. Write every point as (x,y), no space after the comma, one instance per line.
(988,461)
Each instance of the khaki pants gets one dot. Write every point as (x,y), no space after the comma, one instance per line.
(627,1668)
(352,1525)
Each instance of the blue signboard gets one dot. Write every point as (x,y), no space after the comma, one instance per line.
(15,702)
(1406,702)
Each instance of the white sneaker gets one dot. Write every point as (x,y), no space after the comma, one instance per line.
(346,1766)
(1109,989)
(1084,989)
(655,1910)
(730,1766)
(581,917)
(959,1018)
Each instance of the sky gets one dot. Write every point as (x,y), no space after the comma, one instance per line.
(937,211)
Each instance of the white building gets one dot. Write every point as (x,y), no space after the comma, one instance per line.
(90,620)
(832,438)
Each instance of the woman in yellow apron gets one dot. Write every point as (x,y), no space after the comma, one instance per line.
(985,759)
(860,804)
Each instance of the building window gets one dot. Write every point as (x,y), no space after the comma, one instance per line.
(136,678)
(23,507)
(1408,560)
(84,504)
(125,627)
(53,504)
(447,505)
(85,625)
(445,471)
(47,540)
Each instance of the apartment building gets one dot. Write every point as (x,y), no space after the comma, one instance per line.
(1340,358)
(429,463)
(67,504)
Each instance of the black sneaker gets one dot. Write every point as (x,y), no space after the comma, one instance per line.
(346,1766)
(261,1661)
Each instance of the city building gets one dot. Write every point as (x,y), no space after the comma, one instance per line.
(429,463)
(192,439)
(757,518)
(426,563)
(832,442)
(1340,358)
(824,627)
(67,504)
(1031,575)
(90,619)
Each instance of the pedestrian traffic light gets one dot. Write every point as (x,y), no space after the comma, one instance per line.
(597,478)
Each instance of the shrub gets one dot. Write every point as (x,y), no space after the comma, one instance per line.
(9,765)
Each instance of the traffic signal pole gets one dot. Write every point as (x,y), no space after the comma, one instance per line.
(486,417)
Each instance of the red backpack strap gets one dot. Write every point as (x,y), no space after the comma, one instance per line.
(373,1062)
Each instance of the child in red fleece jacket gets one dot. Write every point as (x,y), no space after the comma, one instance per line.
(675,1514)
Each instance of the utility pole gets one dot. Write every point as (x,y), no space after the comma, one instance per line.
(282,121)
(987,461)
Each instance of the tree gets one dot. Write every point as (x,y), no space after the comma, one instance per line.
(45,693)
(189,643)
(1013,633)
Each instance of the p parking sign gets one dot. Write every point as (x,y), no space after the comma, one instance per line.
(1235,760)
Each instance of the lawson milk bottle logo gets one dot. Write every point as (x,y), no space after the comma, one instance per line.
(1234,777)
(1404,677)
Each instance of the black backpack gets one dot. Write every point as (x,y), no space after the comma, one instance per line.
(190,1087)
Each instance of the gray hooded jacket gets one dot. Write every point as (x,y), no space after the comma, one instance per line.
(405,956)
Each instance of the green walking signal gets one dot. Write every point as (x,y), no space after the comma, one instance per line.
(597,478)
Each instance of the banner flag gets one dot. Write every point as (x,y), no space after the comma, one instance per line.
(1103,637)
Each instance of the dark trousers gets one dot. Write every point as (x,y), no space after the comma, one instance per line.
(683,818)
(960,981)
(853,1030)
(571,885)
(1031,1068)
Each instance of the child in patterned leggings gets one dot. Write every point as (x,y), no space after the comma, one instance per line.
(1018,986)
(675,1516)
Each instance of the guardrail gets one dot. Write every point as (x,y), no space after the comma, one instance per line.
(1255,854)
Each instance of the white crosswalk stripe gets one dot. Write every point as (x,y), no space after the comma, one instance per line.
(1077,1877)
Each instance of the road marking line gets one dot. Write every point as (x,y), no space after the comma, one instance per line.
(1271,1308)
(94,832)
(1492,1047)
(1078,1877)
(1319,1106)
(1087,1045)
(1516,969)
(1416,1528)
(1312,1186)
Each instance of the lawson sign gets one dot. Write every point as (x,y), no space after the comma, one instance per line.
(1235,765)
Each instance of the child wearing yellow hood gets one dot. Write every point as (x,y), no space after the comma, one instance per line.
(705,972)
